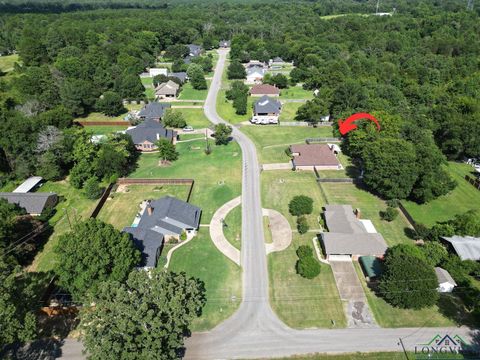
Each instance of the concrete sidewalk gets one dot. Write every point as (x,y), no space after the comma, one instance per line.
(280,229)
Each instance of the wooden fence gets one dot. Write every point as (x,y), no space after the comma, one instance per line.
(321,140)
(407,215)
(474,181)
(190,182)
(103,123)
(335,180)
(102,200)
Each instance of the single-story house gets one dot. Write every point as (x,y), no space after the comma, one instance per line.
(167,90)
(310,156)
(163,219)
(33,203)
(266,111)
(446,283)
(276,61)
(372,267)
(147,133)
(29,184)
(153,111)
(194,50)
(348,236)
(224,44)
(264,90)
(157,71)
(466,247)
(255,74)
(182,76)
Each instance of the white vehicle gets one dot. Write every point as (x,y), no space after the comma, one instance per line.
(188,129)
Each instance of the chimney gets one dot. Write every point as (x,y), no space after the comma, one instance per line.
(357,213)
(149,208)
(158,136)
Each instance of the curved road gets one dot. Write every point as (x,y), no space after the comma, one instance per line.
(254,331)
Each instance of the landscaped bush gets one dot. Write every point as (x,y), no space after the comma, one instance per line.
(300,205)
(92,188)
(389,214)
(308,267)
(394,203)
(304,251)
(302,225)
(183,236)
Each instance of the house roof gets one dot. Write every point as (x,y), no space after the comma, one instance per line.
(466,247)
(195,50)
(153,110)
(264,89)
(170,216)
(33,203)
(313,155)
(267,105)
(372,266)
(443,276)
(278,59)
(255,70)
(167,88)
(148,242)
(182,76)
(150,130)
(354,244)
(347,235)
(28,184)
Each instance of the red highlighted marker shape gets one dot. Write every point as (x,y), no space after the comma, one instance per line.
(347,125)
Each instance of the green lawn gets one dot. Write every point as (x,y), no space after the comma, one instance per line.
(300,302)
(217,176)
(271,141)
(121,207)
(289,111)
(195,118)
(463,198)
(376,356)
(266,230)
(7,62)
(78,207)
(227,112)
(296,92)
(370,206)
(95,116)
(189,93)
(147,81)
(388,316)
(233,230)
(222,278)
(280,186)
(104,129)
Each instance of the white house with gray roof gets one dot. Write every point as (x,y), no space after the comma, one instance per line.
(147,133)
(163,219)
(266,110)
(255,74)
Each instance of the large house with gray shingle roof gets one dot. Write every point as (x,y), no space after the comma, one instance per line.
(33,203)
(153,110)
(147,133)
(162,220)
(266,111)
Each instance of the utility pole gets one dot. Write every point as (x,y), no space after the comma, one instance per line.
(68,218)
(403,347)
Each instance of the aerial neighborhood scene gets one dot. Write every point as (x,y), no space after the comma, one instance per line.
(239,179)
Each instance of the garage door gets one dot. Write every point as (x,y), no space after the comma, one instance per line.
(339,258)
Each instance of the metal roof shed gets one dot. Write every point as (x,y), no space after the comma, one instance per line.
(28,184)
(372,266)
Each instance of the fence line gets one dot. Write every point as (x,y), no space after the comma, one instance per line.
(102,200)
(407,215)
(335,180)
(317,140)
(190,182)
(103,123)
(473,181)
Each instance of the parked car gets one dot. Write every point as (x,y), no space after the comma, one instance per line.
(188,128)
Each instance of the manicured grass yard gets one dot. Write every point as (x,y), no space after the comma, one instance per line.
(289,111)
(376,356)
(370,206)
(463,198)
(78,208)
(189,93)
(217,176)
(120,209)
(7,62)
(280,186)
(266,230)
(271,140)
(199,258)
(300,302)
(233,230)
(296,92)
(227,112)
(195,118)
(95,116)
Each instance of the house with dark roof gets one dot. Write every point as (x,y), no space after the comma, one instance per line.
(167,90)
(348,236)
(33,203)
(264,90)
(182,76)
(194,50)
(153,111)
(162,220)
(314,156)
(147,133)
(266,111)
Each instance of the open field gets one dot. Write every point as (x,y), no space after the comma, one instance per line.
(217,176)
(280,186)
(394,232)
(227,112)
(78,207)
(296,92)
(388,316)
(189,93)
(271,140)
(289,111)
(300,302)
(120,209)
(222,278)
(463,198)
(195,117)
(379,356)
(7,62)
(233,230)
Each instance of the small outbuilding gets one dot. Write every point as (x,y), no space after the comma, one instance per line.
(29,184)
(446,283)
(466,247)
(372,267)
(152,72)
(33,203)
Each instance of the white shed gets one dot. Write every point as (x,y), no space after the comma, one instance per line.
(445,280)
(157,71)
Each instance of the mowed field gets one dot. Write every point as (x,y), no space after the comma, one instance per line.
(194,117)
(271,141)
(233,227)
(217,176)
(300,302)
(7,62)
(201,259)
(463,198)
(122,206)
